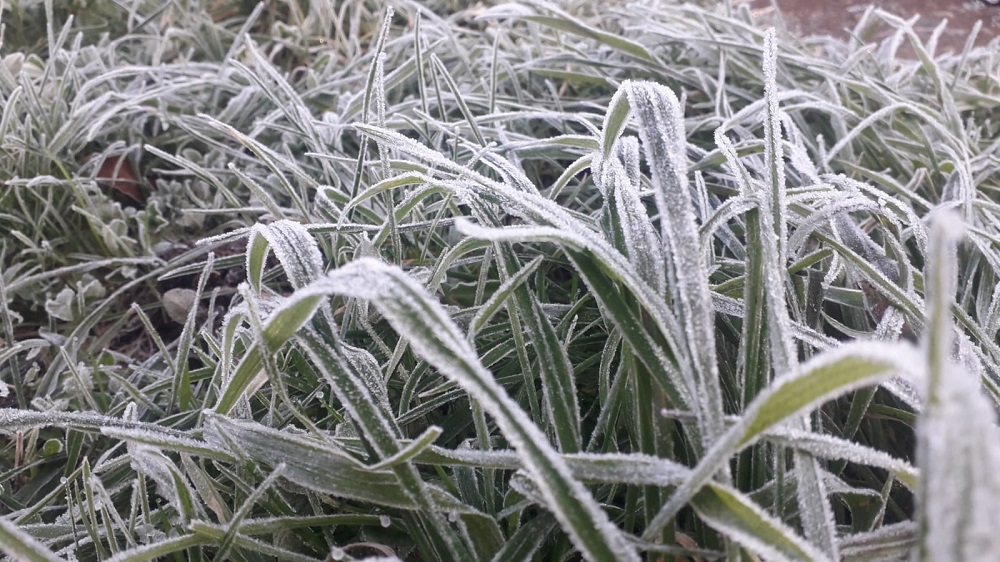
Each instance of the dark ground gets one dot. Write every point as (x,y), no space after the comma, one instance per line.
(838,17)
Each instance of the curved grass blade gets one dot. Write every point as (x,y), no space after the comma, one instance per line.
(436,338)
(741,519)
(826,376)
(21,546)
(606,272)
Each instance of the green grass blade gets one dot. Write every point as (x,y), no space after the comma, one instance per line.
(21,546)
(745,522)
(434,336)
(826,376)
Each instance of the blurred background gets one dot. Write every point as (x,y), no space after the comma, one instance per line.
(837,17)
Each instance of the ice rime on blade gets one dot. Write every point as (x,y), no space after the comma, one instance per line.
(958,448)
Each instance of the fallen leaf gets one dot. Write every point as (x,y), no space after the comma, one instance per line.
(118,173)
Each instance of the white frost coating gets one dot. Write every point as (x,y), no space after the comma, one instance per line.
(162,440)
(905,391)
(476,187)
(154,464)
(664,142)
(913,223)
(859,242)
(716,222)
(813,338)
(294,247)
(659,313)
(751,539)
(830,205)
(367,366)
(627,468)
(641,244)
(992,319)
(847,140)
(378,89)
(942,266)
(15,541)
(859,545)
(890,327)
(611,468)
(736,166)
(774,176)
(319,464)
(793,395)
(834,448)
(798,155)
(958,454)
(814,507)
(436,338)
(728,305)
(514,175)
(958,441)
(17,421)
(817,516)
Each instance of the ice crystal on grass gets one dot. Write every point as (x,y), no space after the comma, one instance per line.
(366,366)
(835,448)
(959,444)
(859,242)
(315,464)
(627,222)
(745,522)
(824,377)
(668,251)
(294,247)
(435,337)
(19,545)
(958,454)
(171,483)
(664,143)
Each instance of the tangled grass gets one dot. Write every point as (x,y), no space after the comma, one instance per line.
(512,282)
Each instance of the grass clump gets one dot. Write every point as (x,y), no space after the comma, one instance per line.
(520,281)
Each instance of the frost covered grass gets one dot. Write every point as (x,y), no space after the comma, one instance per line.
(309,281)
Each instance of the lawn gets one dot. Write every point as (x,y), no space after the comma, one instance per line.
(516,281)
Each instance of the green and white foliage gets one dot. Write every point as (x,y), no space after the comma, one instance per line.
(529,281)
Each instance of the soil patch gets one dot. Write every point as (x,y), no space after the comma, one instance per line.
(838,17)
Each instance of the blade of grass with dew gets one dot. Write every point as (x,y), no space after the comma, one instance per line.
(814,507)
(753,370)
(227,540)
(624,218)
(315,464)
(834,448)
(559,392)
(367,99)
(171,483)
